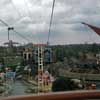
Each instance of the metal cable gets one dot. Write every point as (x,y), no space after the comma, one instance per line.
(21,35)
(28,10)
(15,8)
(51,21)
(14,30)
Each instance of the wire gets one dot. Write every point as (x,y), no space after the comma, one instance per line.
(28,10)
(29,13)
(15,8)
(4,23)
(21,35)
(51,21)
(14,30)
(20,15)
(88,30)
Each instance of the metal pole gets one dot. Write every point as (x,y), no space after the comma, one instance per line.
(40,68)
(9,28)
(8,34)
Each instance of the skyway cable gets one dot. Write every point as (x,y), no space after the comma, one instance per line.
(51,21)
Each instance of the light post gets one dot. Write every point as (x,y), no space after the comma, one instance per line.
(29,70)
(9,28)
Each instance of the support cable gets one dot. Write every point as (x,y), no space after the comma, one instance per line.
(51,22)
(14,30)
(27,7)
(15,8)
(21,35)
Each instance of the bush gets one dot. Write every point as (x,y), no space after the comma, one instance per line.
(62,84)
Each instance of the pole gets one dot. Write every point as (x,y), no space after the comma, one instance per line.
(9,28)
(8,34)
(40,68)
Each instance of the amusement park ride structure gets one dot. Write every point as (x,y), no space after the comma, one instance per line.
(45,79)
(94,28)
(41,80)
(40,67)
(39,46)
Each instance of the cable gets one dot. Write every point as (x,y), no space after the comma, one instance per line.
(14,30)
(51,22)
(27,8)
(15,8)
(21,35)
(88,30)
(28,11)
(4,23)
(19,14)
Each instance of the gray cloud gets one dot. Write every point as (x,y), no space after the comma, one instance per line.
(33,21)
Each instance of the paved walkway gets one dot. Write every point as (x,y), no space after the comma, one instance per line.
(18,88)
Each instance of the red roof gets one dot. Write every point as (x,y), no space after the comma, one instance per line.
(40,44)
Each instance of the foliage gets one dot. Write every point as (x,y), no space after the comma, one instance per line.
(61,84)
(74,50)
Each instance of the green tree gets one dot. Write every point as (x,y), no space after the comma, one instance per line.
(61,84)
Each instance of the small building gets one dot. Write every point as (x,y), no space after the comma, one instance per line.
(47,53)
(27,54)
(31,54)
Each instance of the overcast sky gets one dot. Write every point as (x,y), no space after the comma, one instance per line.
(31,19)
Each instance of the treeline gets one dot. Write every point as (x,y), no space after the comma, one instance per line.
(75,50)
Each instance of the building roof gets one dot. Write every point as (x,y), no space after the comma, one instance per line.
(39,44)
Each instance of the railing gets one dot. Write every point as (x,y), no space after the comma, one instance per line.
(73,95)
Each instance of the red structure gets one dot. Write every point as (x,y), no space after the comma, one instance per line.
(94,28)
(39,44)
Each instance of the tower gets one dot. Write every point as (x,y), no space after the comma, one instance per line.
(40,67)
